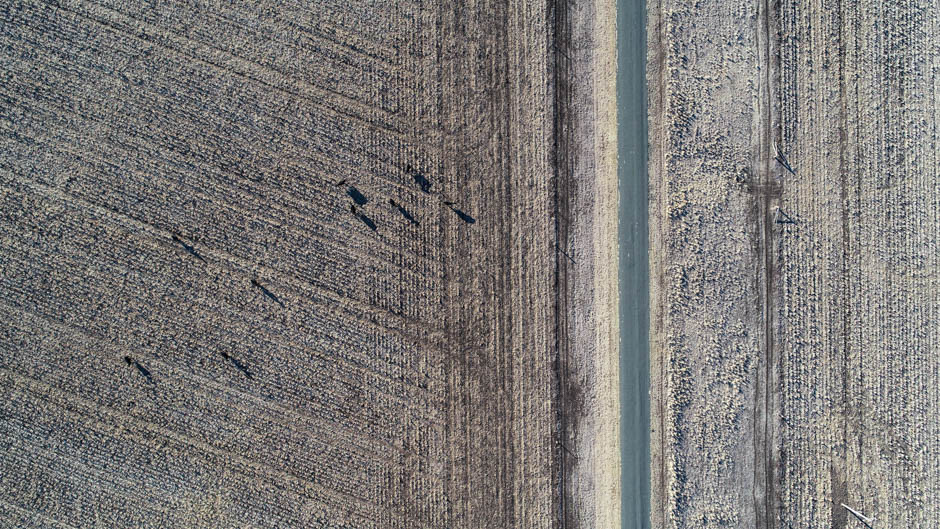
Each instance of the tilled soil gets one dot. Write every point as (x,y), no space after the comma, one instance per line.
(297,264)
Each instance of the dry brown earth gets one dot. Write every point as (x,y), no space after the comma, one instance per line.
(796,346)
(196,329)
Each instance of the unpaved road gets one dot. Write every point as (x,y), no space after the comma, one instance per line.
(307,264)
(795,337)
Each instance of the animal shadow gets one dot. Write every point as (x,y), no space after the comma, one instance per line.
(365,220)
(420,179)
(140,369)
(463,216)
(357,197)
(404,212)
(240,366)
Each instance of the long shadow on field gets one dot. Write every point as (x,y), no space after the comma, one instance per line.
(241,367)
(267,293)
(188,248)
(404,212)
(141,369)
(463,216)
(365,220)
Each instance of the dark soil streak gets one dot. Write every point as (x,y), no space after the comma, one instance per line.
(568,400)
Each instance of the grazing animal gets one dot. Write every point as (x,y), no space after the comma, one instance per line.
(241,367)
(141,369)
(786,218)
(404,212)
(188,248)
(267,292)
(366,220)
(463,216)
(779,157)
(419,178)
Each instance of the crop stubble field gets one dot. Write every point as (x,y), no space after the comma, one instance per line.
(795,354)
(296,264)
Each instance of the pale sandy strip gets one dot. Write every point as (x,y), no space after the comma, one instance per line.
(595,331)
